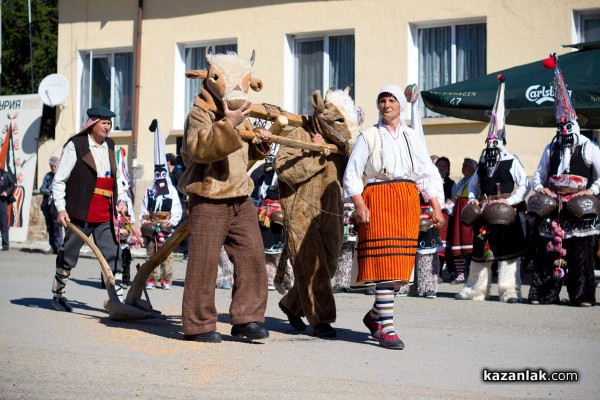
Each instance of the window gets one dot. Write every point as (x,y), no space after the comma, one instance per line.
(319,64)
(195,59)
(587,25)
(449,54)
(107,80)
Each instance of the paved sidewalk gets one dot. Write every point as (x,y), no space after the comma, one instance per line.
(83,355)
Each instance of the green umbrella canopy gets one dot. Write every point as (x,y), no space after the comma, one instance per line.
(529,97)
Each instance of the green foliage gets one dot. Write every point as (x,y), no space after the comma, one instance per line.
(16,60)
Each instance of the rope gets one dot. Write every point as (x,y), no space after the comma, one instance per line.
(307,201)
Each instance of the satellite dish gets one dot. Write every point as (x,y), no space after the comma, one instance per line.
(53,90)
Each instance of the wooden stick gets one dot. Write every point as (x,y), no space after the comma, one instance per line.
(286,141)
(271,112)
(139,282)
(278,125)
(116,309)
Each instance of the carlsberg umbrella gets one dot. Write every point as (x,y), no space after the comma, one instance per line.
(529,94)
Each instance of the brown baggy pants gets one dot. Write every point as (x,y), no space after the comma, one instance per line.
(233,224)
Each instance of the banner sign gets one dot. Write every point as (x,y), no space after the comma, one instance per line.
(20,121)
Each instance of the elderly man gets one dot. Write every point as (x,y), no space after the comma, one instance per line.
(55,233)
(85,191)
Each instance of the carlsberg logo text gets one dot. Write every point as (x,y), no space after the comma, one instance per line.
(539,94)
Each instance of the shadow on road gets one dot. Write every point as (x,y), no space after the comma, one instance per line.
(46,304)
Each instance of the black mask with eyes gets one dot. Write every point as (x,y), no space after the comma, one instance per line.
(492,155)
(160,179)
(566,131)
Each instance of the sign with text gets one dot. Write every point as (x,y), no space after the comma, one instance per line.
(20,121)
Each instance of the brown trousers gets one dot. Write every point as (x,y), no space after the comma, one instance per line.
(233,224)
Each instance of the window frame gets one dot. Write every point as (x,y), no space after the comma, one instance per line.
(82,67)
(290,101)
(413,48)
(579,18)
(179,79)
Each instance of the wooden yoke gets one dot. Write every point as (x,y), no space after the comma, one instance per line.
(270,112)
(278,126)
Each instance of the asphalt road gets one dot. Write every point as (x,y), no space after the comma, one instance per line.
(46,354)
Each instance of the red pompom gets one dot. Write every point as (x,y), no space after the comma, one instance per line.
(549,63)
(501,77)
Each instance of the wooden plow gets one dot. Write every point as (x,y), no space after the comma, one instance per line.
(134,307)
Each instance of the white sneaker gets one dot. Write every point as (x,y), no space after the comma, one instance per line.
(166,285)
(150,284)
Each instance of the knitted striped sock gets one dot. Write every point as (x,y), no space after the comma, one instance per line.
(384,302)
(460,267)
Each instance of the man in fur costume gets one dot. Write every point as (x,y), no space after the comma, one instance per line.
(221,210)
(503,184)
(311,200)
(569,171)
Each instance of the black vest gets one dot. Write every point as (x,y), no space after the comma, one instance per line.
(502,175)
(577,165)
(166,203)
(82,181)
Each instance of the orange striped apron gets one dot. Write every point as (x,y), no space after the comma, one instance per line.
(387,247)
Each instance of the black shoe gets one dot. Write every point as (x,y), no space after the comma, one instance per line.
(208,337)
(61,304)
(390,341)
(5,249)
(324,330)
(370,291)
(295,320)
(252,331)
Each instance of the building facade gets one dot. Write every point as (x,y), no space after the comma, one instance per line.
(302,46)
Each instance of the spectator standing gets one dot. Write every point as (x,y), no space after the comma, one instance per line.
(461,236)
(443,166)
(7,186)
(53,228)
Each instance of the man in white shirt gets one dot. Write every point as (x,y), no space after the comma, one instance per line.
(85,193)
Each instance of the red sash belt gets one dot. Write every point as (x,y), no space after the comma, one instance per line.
(99,210)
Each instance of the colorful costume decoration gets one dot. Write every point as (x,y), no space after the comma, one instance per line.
(427,262)
(270,216)
(569,169)
(311,200)
(160,213)
(498,233)
(343,274)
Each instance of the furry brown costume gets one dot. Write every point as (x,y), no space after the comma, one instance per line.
(221,212)
(311,200)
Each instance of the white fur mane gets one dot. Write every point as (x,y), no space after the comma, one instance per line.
(231,65)
(344,103)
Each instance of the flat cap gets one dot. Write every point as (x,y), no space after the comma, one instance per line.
(100,112)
